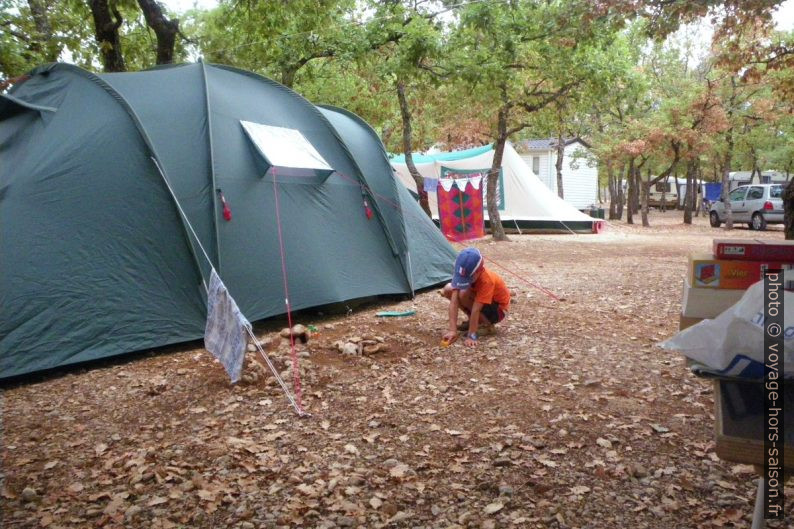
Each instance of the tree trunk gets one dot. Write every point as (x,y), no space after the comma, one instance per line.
(613,194)
(44,42)
(631,182)
(599,192)
(612,187)
(646,188)
(558,164)
(408,150)
(637,186)
(165,30)
(690,172)
(663,203)
(107,21)
(788,210)
(726,183)
(497,230)
(288,74)
(621,194)
(698,198)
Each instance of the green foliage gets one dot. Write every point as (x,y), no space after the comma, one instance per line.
(571,67)
(279,38)
(23,44)
(26,41)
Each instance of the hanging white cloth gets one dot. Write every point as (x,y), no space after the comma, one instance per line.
(447,184)
(461,183)
(226,330)
(476,181)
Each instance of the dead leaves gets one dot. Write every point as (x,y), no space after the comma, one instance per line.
(580,490)
(157,500)
(604,443)
(399,471)
(494,507)
(557,426)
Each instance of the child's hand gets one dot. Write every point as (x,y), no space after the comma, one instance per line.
(450,336)
(471,340)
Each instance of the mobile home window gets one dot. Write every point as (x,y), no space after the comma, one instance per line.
(536,164)
(663,187)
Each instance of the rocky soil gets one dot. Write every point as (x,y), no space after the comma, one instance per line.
(569,417)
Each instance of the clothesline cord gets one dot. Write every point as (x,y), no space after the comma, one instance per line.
(296,405)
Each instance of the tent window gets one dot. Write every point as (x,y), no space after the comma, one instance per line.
(287,152)
(536,165)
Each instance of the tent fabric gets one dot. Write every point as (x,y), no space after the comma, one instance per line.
(713,191)
(96,259)
(404,218)
(527,203)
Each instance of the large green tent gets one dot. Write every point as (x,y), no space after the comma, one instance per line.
(113,189)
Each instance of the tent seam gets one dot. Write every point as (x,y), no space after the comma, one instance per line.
(212,169)
(332,130)
(356,118)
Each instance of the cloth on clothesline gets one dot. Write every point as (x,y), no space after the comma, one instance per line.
(461,212)
(461,183)
(446,184)
(225,333)
(430,185)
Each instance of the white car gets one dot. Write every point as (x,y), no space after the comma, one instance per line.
(757,205)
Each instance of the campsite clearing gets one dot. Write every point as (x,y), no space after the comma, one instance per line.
(569,417)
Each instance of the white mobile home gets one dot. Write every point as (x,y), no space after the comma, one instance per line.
(667,190)
(740,178)
(579,172)
(674,191)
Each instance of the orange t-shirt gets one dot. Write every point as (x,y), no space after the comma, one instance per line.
(490,288)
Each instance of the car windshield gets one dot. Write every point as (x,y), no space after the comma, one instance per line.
(775,191)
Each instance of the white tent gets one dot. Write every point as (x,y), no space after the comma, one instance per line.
(525,203)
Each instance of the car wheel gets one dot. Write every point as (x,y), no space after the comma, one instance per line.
(759,222)
(714,219)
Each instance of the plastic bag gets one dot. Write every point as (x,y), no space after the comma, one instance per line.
(732,344)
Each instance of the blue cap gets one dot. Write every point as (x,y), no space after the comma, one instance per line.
(467,263)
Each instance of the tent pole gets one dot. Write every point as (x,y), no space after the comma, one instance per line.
(410,274)
(276,374)
(214,190)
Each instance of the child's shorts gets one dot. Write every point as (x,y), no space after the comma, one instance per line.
(493,313)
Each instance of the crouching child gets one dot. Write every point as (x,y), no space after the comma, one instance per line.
(480,293)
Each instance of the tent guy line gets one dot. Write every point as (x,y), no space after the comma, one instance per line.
(296,381)
(295,404)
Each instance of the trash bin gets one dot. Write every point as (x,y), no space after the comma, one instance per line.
(596,213)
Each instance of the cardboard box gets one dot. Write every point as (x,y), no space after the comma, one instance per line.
(754,250)
(708,272)
(684,322)
(739,423)
(707,302)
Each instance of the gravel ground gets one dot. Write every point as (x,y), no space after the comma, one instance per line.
(568,417)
